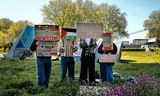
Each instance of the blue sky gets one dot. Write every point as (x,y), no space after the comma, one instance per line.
(137,10)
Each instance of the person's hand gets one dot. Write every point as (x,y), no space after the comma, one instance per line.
(94,40)
(103,48)
(37,43)
(81,39)
(61,50)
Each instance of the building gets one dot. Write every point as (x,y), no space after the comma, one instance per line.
(140,41)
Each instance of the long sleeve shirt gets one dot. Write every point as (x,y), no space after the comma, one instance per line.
(67,51)
(114,51)
(88,50)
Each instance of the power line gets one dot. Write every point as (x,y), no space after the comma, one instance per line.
(137,31)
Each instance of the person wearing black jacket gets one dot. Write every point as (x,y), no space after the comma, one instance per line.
(87,61)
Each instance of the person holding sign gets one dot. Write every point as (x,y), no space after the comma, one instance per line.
(88,46)
(47,37)
(44,66)
(66,50)
(107,57)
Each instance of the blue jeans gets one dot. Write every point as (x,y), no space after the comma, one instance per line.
(44,70)
(106,70)
(67,62)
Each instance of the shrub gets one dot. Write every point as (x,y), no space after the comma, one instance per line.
(133,49)
(155,50)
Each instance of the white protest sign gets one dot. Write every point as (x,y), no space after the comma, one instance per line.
(107,58)
(89,30)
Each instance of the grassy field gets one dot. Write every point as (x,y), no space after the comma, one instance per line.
(19,78)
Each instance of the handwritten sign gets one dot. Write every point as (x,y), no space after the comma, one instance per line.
(89,30)
(110,58)
(47,49)
(47,37)
(47,32)
(107,41)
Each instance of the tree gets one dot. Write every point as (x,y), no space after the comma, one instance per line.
(67,13)
(60,12)
(4,40)
(153,25)
(15,29)
(113,20)
(5,24)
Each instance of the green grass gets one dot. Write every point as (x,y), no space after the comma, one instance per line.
(20,77)
(139,63)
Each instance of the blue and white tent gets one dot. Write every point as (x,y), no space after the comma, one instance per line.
(23,42)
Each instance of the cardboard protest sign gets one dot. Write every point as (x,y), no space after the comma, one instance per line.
(47,32)
(89,30)
(104,58)
(67,33)
(47,49)
(107,41)
(47,37)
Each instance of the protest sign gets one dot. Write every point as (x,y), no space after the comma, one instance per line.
(107,58)
(89,30)
(107,41)
(47,32)
(47,37)
(47,49)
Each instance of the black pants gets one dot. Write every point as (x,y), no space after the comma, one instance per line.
(87,65)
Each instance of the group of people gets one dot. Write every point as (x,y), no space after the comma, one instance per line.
(66,49)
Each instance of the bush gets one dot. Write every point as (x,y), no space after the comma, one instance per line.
(1,49)
(133,49)
(141,49)
(155,49)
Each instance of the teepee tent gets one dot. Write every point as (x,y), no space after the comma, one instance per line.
(23,42)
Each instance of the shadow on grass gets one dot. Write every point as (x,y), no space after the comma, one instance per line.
(127,61)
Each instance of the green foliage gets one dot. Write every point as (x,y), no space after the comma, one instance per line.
(5,24)
(67,13)
(15,29)
(153,24)
(155,50)
(133,49)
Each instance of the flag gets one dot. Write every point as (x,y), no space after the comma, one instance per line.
(67,33)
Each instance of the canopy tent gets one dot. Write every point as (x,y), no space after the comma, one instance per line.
(23,42)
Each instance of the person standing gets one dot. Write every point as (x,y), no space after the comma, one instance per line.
(87,61)
(66,50)
(44,65)
(106,68)
(44,70)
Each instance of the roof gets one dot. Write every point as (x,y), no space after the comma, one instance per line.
(152,40)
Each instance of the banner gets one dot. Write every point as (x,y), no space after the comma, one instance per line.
(107,41)
(107,58)
(89,30)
